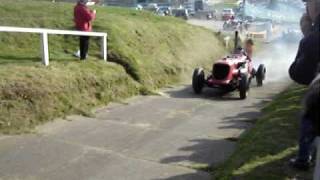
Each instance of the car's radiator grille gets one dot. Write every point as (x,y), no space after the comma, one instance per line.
(220,71)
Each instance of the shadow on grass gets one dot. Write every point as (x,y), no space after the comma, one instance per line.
(274,166)
(200,155)
(245,120)
(14,59)
(264,151)
(30,60)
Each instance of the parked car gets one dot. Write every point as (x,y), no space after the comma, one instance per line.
(139,7)
(227,14)
(153,7)
(181,13)
(212,15)
(165,10)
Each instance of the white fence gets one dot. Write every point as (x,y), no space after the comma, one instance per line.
(44,38)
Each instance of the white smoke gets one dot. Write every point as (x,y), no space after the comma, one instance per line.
(281,11)
(278,55)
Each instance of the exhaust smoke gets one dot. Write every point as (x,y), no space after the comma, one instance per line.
(276,10)
(278,55)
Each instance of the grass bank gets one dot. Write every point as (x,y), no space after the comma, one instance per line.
(263,152)
(147,52)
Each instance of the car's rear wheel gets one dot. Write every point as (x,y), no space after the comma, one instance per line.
(243,86)
(198,80)
(261,75)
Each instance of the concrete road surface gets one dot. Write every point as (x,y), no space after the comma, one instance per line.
(214,25)
(154,137)
(147,138)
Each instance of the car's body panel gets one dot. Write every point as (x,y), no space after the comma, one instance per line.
(237,64)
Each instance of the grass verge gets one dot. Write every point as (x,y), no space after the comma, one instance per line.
(264,150)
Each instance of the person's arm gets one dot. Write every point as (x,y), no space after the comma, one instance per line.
(306,24)
(88,15)
(304,67)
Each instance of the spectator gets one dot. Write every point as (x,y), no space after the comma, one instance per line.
(312,107)
(303,71)
(83,18)
(248,47)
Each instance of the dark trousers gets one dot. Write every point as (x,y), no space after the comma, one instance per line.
(307,137)
(84,47)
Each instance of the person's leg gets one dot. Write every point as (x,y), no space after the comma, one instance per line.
(86,46)
(307,137)
(82,47)
(317,168)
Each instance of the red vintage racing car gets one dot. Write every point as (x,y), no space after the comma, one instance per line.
(233,72)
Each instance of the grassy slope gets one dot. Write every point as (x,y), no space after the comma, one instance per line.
(152,51)
(263,151)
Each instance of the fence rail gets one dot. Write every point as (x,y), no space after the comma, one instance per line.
(44,38)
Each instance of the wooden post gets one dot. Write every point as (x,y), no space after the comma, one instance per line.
(45,48)
(104,48)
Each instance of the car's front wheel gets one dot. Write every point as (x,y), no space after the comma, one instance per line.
(244,86)
(198,80)
(261,75)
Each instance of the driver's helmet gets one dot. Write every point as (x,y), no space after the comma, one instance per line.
(238,50)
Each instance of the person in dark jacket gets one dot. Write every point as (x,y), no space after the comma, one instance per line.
(83,18)
(312,110)
(303,71)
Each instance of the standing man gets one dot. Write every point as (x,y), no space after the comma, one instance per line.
(83,18)
(303,71)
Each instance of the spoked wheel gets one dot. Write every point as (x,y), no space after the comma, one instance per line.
(244,86)
(198,80)
(261,75)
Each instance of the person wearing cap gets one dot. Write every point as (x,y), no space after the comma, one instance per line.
(83,18)
(303,71)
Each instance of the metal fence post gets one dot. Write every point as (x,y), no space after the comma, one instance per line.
(104,47)
(45,48)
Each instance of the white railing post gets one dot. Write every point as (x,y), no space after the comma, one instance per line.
(104,47)
(316,175)
(44,38)
(45,48)
(227,40)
